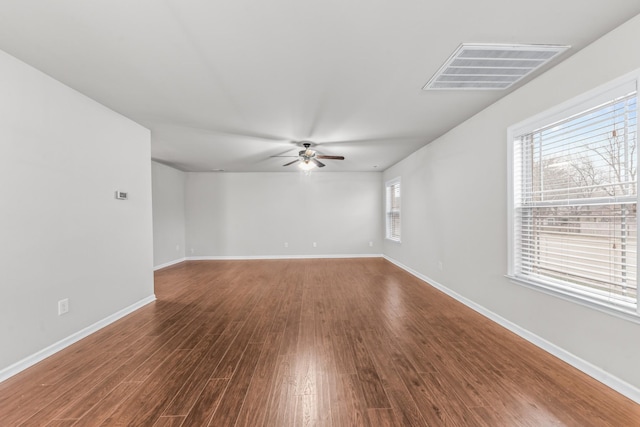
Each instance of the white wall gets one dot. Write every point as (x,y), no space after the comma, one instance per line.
(63,233)
(454,201)
(254,214)
(168,215)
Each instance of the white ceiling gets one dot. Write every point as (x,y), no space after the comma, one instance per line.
(226,84)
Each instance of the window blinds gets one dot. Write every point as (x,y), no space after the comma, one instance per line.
(575,198)
(393,210)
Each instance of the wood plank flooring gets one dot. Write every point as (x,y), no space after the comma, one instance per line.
(344,342)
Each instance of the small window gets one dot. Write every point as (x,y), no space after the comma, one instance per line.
(393,210)
(573,200)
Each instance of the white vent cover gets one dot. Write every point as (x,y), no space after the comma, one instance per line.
(492,67)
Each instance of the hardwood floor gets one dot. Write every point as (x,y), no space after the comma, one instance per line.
(343,342)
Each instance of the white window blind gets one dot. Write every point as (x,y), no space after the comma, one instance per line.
(393,210)
(574,204)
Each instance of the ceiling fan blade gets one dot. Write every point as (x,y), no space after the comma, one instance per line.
(283,156)
(331,157)
(317,162)
(290,163)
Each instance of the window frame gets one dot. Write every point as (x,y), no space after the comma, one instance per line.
(555,114)
(387,210)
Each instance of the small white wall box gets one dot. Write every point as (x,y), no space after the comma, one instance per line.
(121,195)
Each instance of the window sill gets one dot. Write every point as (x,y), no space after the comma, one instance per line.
(585,301)
(393,240)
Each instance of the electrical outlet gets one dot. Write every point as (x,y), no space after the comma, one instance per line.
(286,244)
(63,306)
(177,247)
(440,265)
(370,244)
(315,245)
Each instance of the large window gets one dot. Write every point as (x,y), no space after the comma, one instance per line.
(573,200)
(393,210)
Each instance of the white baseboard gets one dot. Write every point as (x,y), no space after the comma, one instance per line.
(169,264)
(71,339)
(250,257)
(593,371)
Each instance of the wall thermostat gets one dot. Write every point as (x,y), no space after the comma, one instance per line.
(121,195)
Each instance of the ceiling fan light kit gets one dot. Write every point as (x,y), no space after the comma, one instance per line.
(306,166)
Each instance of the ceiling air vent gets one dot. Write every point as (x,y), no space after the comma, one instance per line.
(490,67)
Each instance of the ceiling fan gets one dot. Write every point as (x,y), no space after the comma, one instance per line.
(308,158)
